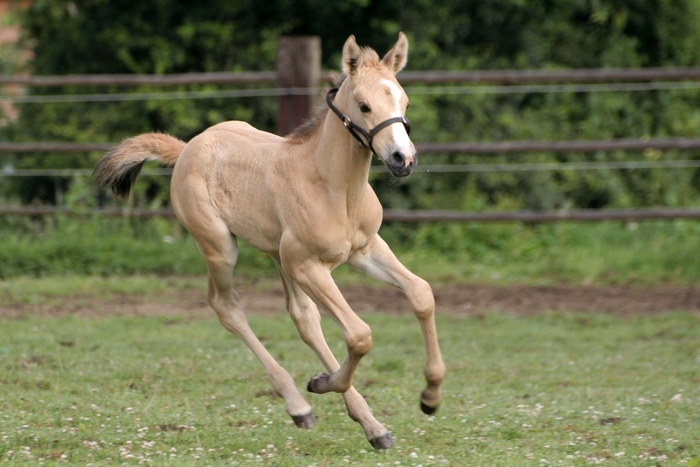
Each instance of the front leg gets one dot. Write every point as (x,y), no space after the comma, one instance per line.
(377,260)
(314,278)
(308,321)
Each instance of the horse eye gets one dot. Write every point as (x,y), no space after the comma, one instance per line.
(364,108)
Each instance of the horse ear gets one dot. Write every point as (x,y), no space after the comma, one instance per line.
(352,56)
(396,58)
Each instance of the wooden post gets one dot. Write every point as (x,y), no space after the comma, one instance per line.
(298,66)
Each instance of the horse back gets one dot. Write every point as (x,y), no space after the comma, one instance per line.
(228,168)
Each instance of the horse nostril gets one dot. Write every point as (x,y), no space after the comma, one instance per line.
(398,157)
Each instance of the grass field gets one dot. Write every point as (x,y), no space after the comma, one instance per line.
(552,389)
(644,253)
(557,388)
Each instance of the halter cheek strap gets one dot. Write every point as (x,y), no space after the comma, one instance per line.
(355,130)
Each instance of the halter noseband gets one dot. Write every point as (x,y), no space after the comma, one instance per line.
(356,130)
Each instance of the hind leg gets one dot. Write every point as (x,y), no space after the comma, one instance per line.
(307,319)
(220,252)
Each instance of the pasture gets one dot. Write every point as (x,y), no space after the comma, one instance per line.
(565,344)
(115,370)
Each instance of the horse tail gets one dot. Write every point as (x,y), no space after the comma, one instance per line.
(119,168)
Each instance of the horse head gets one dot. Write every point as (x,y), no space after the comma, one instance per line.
(374,111)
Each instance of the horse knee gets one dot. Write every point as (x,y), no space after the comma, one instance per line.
(359,341)
(422,299)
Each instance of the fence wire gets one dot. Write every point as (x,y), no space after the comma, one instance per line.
(416,83)
(410,90)
(428,169)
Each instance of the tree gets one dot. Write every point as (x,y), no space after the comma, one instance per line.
(166,36)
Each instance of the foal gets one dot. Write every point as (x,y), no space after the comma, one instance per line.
(305,200)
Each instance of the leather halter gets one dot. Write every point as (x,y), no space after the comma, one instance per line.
(356,130)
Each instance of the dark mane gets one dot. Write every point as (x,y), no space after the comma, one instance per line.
(309,126)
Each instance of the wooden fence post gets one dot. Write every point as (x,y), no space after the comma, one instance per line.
(298,66)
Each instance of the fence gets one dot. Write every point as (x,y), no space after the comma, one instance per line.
(591,215)
(298,76)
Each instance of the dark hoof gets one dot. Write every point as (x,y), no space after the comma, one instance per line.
(315,383)
(382,442)
(304,421)
(427,409)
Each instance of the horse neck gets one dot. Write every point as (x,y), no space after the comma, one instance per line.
(340,159)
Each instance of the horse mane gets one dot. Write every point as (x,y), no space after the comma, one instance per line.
(310,125)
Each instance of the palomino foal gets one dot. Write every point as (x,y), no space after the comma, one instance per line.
(305,200)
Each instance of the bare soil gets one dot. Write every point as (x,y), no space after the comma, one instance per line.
(452,299)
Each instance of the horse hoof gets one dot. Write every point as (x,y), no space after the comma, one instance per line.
(304,421)
(316,383)
(382,442)
(427,409)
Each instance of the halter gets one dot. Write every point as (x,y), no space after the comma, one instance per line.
(356,130)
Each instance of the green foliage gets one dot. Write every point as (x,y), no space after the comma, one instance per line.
(608,253)
(605,253)
(165,36)
(563,388)
(97,246)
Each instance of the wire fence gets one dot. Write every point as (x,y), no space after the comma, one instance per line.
(434,168)
(413,216)
(295,91)
(427,83)
(592,75)
(507,147)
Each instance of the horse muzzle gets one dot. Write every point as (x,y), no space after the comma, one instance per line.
(401,164)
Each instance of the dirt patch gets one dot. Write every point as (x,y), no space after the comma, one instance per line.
(618,300)
(528,300)
(453,299)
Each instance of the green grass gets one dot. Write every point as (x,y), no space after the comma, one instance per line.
(559,389)
(567,389)
(32,291)
(644,253)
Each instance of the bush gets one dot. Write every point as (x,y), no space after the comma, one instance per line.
(612,252)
